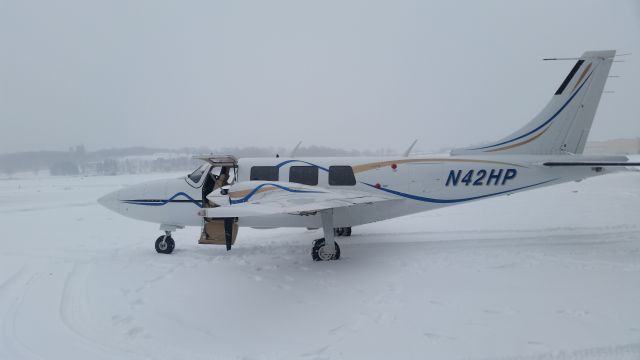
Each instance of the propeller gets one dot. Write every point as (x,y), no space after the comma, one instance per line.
(228,232)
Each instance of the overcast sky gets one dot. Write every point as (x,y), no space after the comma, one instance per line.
(351,74)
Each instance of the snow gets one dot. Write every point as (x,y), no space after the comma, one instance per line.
(548,274)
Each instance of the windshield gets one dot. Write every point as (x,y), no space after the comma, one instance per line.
(196,175)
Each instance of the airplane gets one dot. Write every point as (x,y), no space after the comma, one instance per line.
(337,193)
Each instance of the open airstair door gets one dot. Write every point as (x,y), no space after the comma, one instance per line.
(219,231)
(221,175)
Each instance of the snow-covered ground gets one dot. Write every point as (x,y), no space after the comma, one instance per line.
(548,274)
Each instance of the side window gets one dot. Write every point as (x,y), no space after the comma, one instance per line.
(196,175)
(266,173)
(341,176)
(307,175)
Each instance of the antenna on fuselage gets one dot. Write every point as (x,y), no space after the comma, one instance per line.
(408,151)
(295,149)
(581,58)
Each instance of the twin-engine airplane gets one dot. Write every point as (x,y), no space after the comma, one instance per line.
(338,193)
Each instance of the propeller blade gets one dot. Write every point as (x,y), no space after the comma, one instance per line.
(228,232)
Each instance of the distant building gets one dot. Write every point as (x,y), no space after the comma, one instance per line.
(64,168)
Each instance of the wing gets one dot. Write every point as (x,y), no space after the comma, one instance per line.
(259,198)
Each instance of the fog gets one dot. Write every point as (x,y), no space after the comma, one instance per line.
(357,74)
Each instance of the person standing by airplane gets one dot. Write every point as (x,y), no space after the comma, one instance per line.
(213,182)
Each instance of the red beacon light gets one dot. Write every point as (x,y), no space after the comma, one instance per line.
(378,186)
(394,166)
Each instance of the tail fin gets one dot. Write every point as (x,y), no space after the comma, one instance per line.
(564,124)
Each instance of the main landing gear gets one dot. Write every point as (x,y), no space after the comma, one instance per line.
(320,252)
(343,231)
(327,248)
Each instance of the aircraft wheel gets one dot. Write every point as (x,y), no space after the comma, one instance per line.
(319,253)
(165,244)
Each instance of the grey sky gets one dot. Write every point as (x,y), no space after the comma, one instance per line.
(352,74)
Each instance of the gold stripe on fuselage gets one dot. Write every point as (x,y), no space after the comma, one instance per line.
(376,165)
(520,143)
(243,193)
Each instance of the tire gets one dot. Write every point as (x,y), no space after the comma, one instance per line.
(168,246)
(317,253)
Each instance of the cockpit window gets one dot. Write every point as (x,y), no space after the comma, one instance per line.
(196,175)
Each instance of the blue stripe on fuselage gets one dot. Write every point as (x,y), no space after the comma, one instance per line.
(161,202)
(452,201)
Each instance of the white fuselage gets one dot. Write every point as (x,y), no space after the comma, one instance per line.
(422,183)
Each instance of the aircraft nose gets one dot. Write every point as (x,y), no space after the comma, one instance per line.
(111,201)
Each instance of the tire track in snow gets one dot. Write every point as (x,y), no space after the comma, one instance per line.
(620,352)
(7,283)
(48,207)
(72,316)
(11,343)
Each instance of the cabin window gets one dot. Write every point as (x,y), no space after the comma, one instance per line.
(341,176)
(264,173)
(196,175)
(307,175)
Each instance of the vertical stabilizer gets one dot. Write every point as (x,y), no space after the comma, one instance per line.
(564,124)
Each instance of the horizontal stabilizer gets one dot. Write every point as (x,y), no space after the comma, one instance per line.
(590,163)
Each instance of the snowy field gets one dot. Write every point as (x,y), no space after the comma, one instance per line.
(549,274)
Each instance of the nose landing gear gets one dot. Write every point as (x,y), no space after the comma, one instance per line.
(165,243)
